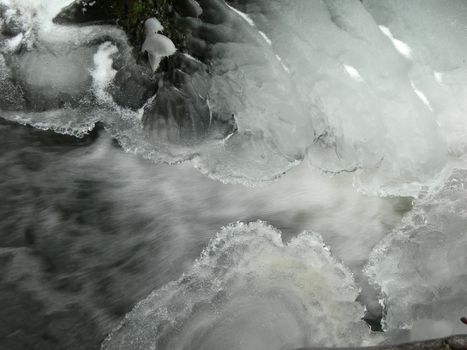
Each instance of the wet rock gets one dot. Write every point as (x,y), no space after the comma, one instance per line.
(455,342)
(133,86)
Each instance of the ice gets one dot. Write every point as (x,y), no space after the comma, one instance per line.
(420,267)
(354,74)
(35,16)
(249,290)
(242,15)
(387,157)
(421,95)
(64,121)
(272,84)
(437,36)
(195,7)
(156,45)
(267,93)
(402,47)
(50,76)
(152,26)
(265,38)
(62,74)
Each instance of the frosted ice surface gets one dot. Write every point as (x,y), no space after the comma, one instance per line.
(435,30)
(398,138)
(275,83)
(421,266)
(249,290)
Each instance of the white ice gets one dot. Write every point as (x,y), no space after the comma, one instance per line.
(156,45)
(249,290)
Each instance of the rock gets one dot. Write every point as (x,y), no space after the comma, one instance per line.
(455,342)
(180,113)
(88,12)
(130,14)
(133,86)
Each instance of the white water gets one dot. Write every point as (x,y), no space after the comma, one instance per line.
(376,90)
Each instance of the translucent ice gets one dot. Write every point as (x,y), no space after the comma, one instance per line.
(249,290)
(420,267)
(347,86)
(374,123)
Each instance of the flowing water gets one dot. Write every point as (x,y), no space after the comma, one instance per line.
(295,178)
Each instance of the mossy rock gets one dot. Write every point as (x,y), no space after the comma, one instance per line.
(129,14)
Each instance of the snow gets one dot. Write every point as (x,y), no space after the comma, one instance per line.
(152,26)
(156,45)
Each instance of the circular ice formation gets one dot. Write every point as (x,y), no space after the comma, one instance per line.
(249,290)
